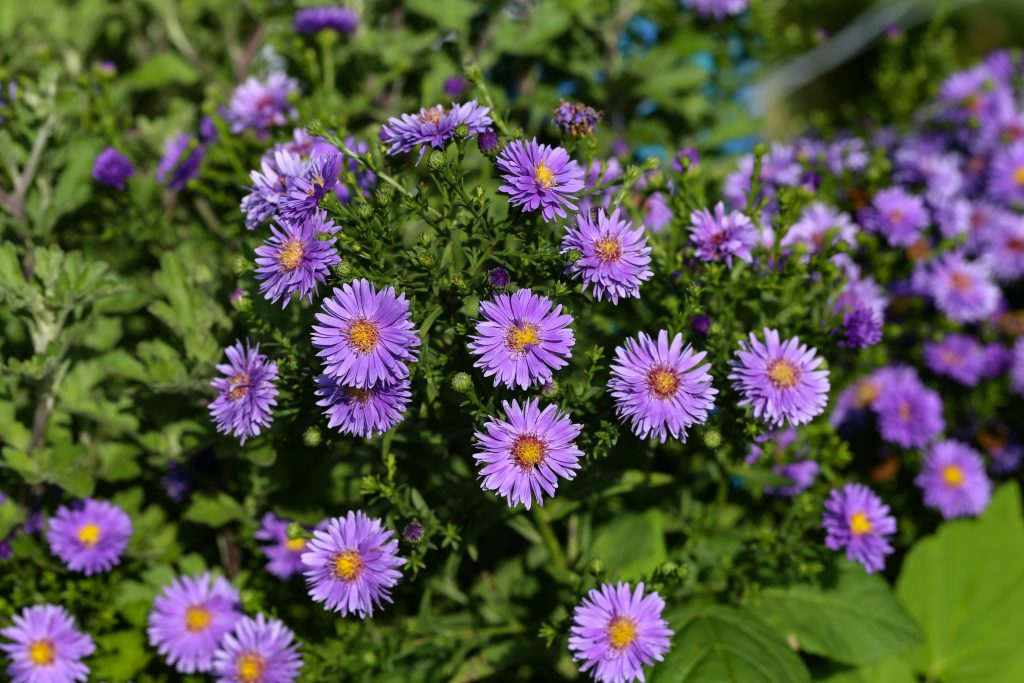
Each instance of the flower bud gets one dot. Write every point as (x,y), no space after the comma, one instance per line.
(295,530)
(364,210)
(462,130)
(413,532)
(488,142)
(382,197)
(499,277)
(596,567)
(712,438)
(311,437)
(435,160)
(462,382)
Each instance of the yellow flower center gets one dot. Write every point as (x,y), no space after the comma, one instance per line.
(296,545)
(782,374)
(867,392)
(608,249)
(250,667)
(364,335)
(528,451)
(517,338)
(291,255)
(197,618)
(663,382)
(316,185)
(238,386)
(89,535)
(543,175)
(348,565)
(1018,175)
(952,475)
(621,632)
(41,652)
(860,524)
(358,395)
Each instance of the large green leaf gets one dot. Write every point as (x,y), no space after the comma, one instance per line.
(215,511)
(857,621)
(889,670)
(632,544)
(719,644)
(963,585)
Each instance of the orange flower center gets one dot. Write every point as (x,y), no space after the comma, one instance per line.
(904,412)
(363,335)
(358,395)
(782,374)
(621,632)
(663,382)
(291,255)
(348,565)
(543,175)
(238,386)
(42,652)
(197,618)
(89,535)
(960,282)
(528,451)
(896,217)
(1018,175)
(860,524)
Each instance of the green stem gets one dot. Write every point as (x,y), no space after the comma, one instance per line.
(554,548)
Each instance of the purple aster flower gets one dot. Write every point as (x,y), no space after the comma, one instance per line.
(657,213)
(576,118)
(523,457)
(207,129)
(112,168)
(295,259)
(521,339)
(700,324)
(660,386)
(1003,248)
(720,236)
(958,356)
(258,105)
(953,480)
(691,157)
(89,539)
(896,215)
(433,126)
(365,335)
(857,520)
(1006,174)
(862,328)
(1017,367)
(717,9)
(310,20)
(780,380)
(996,359)
(284,554)
(856,400)
(539,177)
(352,565)
(454,86)
(176,482)
(499,277)
(246,392)
(189,618)
(488,142)
(176,167)
(615,258)
(258,650)
(363,412)
(616,630)
(815,223)
(270,185)
(962,289)
(306,191)
(46,647)
(802,473)
(909,413)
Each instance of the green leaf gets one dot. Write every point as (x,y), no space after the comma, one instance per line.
(719,644)
(857,621)
(963,585)
(215,511)
(121,655)
(161,70)
(889,670)
(10,516)
(631,545)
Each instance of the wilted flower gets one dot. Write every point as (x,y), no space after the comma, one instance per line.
(576,118)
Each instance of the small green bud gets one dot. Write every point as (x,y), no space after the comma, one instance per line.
(311,437)
(462,130)
(574,255)
(458,281)
(473,72)
(656,180)
(462,382)
(382,197)
(295,530)
(241,265)
(435,161)
(425,258)
(343,269)
(712,438)
(760,149)
(669,567)
(364,211)
(596,567)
